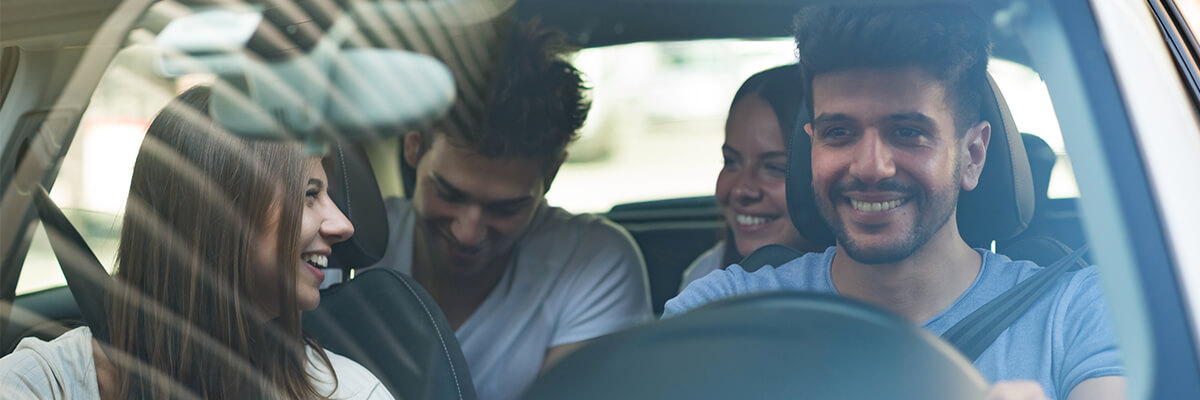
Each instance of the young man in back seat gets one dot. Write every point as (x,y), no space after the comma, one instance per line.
(522,283)
(896,135)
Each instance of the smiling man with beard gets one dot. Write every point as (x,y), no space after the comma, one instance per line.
(896,135)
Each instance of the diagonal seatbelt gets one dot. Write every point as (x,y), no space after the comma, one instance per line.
(86,277)
(976,332)
(772,254)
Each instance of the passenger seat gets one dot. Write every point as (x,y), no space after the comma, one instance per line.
(1052,233)
(383,320)
(671,234)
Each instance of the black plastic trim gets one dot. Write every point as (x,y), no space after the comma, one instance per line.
(10,58)
(1181,42)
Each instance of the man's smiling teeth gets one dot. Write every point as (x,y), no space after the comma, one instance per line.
(317,260)
(875,206)
(743,219)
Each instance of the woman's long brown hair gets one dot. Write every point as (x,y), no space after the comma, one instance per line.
(183,323)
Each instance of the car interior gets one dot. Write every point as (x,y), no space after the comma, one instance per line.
(55,54)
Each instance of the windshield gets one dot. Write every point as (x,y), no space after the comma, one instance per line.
(541,189)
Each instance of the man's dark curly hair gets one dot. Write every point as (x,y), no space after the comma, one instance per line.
(949,43)
(533,105)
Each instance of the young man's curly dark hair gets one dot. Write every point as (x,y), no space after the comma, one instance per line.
(534,104)
(948,43)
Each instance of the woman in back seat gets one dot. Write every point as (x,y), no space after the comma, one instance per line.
(750,187)
(218,257)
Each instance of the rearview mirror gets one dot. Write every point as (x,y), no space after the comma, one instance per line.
(272,86)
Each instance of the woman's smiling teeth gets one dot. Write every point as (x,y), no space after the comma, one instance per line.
(743,219)
(317,260)
(875,206)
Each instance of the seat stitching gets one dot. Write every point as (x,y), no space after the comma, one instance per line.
(445,349)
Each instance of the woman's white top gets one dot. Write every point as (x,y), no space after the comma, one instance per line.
(64,369)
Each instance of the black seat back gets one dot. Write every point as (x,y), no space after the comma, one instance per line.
(389,324)
(670,234)
(353,188)
(1052,233)
(1041,164)
(382,319)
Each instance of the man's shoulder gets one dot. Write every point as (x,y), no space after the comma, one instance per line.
(556,228)
(1079,288)
(809,272)
(809,260)
(1015,271)
(789,274)
(575,253)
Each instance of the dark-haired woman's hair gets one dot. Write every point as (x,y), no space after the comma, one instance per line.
(783,89)
(183,321)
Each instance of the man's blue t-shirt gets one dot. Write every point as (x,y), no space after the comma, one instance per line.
(1064,339)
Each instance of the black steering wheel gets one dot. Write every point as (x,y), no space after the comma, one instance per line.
(768,346)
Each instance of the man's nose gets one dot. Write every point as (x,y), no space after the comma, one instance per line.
(469,228)
(873,160)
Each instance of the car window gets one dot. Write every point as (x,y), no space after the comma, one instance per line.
(94,180)
(659,113)
(1029,102)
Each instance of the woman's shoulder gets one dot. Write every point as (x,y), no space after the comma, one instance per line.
(353,380)
(62,368)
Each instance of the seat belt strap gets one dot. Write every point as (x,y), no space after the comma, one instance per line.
(772,254)
(86,277)
(975,333)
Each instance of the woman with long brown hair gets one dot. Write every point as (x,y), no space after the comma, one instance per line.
(219,254)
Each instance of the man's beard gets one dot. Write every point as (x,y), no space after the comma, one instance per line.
(933,212)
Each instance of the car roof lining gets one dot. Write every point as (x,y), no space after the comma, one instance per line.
(597,23)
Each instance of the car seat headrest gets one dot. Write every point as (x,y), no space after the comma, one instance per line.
(1041,163)
(1000,207)
(353,189)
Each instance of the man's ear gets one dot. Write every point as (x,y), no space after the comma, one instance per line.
(808,130)
(412,148)
(552,171)
(975,154)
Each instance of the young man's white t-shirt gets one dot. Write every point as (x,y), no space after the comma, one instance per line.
(64,369)
(571,278)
